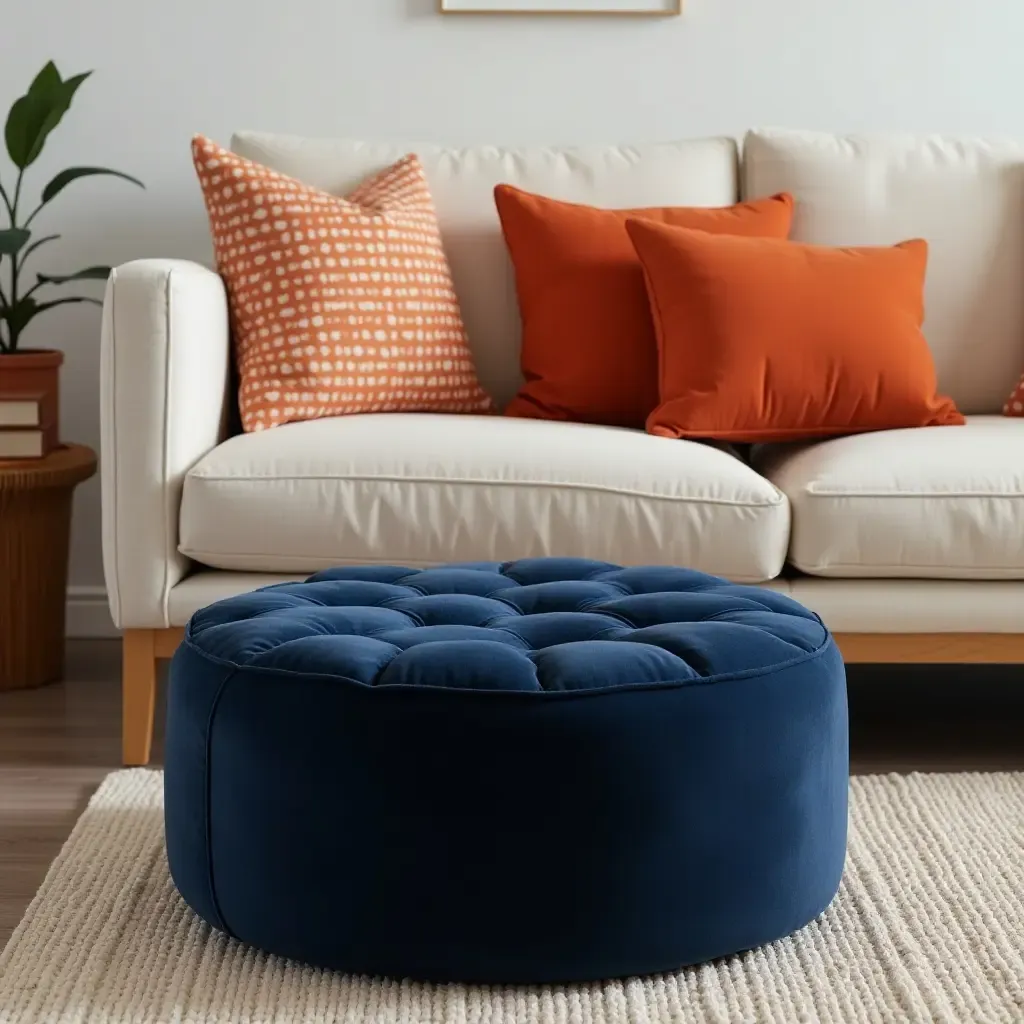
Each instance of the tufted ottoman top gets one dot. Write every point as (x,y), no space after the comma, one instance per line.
(544,626)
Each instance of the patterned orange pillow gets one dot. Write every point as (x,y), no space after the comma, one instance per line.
(338,306)
(1015,403)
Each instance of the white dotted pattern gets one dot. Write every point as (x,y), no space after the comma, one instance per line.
(926,927)
(338,306)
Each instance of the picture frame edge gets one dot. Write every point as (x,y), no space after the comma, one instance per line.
(674,9)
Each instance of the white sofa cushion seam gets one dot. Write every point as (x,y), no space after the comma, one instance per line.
(812,569)
(813,492)
(115,596)
(168,547)
(462,482)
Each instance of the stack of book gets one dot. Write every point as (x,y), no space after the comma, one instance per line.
(28,427)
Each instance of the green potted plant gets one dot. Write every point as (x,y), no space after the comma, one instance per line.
(29,377)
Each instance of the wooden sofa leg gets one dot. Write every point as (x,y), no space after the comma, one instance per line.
(138,694)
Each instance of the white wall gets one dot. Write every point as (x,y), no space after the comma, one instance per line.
(395,68)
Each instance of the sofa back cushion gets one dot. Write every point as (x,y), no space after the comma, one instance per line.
(966,198)
(691,173)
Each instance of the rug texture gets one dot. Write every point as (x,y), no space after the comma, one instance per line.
(928,926)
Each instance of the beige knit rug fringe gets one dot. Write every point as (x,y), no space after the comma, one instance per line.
(929,926)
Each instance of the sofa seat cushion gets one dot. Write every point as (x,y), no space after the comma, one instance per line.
(939,502)
(423,489)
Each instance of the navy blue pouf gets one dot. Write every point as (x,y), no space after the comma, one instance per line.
(549,770)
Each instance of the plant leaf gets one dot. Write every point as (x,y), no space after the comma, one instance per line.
(88,274)
(18,317)
(12,240)
(62,180)
(21,314)
(23,125)
(65,94)
(28,114)
(40,307)
(37,113)
(36,244)
(47,79)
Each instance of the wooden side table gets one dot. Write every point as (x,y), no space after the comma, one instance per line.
(35,533)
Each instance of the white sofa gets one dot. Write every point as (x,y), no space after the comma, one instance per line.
(910,544)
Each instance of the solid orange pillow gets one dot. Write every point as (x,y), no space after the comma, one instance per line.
(588,351)
(762,340)
(338,306)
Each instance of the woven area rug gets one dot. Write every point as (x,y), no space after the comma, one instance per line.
(929,926)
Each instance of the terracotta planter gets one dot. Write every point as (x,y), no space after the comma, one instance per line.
(34,374)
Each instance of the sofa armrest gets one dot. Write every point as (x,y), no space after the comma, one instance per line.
(164,403)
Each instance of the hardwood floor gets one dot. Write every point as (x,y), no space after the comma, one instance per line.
(58,742)
(56,745)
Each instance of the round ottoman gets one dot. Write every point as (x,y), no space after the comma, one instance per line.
(548,770)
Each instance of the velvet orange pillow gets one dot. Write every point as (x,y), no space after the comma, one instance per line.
(1015,403)
(764,340)
(588,349)
(338,306)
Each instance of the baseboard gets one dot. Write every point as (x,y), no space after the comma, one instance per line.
(88,614)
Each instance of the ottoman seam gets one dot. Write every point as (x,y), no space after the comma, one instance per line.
(207,816)
(725,677)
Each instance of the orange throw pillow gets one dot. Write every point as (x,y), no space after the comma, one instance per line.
(588,350)
(1015,403)
(337,305)
(762,340)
